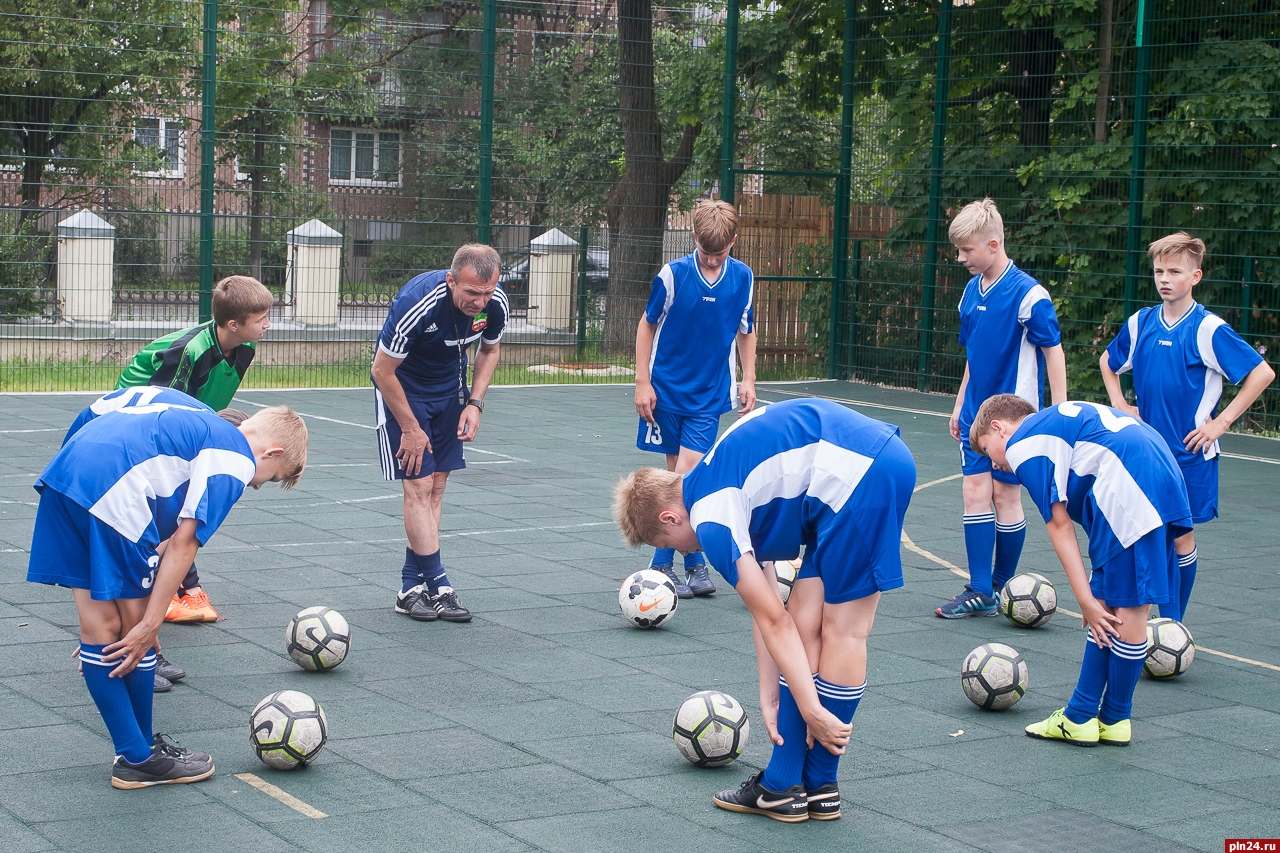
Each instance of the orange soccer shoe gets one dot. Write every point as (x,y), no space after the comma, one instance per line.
(198,604)
(179,611)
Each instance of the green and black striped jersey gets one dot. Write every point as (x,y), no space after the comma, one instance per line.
(191,361)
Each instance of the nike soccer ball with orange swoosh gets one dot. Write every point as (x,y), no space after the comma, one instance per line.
(647,598)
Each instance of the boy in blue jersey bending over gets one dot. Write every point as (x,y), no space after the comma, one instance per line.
(698,322)
(124,483)
(1087,463)
(805,473)
(1179,354)
(1010,334)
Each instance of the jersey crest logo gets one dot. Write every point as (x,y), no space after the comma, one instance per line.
(479,322)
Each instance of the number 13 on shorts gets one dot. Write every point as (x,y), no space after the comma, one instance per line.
(653,433)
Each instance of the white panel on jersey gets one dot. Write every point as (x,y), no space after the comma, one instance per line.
(118,400)
(1055,449)
(211,462)
(1133,345)
(669,291)
(1028,385)
(1212,376)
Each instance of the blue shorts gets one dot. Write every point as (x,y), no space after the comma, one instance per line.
(858,551)
(1202,490)
(670,432)
(973,462)
(438,419)
(72,548)
(1144,573)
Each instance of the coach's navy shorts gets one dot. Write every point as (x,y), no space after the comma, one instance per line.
(71,547)
(1144,573)
(438,419)
(973,462)
(858,550)
(669,432)
(1202,490)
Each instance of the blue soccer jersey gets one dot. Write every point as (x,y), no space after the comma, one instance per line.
(1178,370)
(1114,472)
(427,331)
(770,477)
(1002,329)
(142,470)
(148,397)
(693,366)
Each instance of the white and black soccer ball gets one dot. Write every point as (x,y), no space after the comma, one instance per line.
(647,598)
(287,730)
(711,728)
(994,676)
(1170,648)
(318,638)
(786,570)
(1028,600)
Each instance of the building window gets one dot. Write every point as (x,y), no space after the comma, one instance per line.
(364,157)
(164,137)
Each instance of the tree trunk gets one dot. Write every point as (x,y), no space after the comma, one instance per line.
(1033,62)
(1105,53)
(255,205)
(637,209)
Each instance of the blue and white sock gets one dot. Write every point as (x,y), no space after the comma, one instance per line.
(433,574)
(979,542)
(1009,539)
(820,765)
(786,764)
(410,574)
(1093,681)
(1186,579)
(694,559)
(1122,680)
(141,684)
(663,557)
(112,698)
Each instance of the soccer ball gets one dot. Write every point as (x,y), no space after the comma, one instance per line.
(1170,648)
(318,638)
(1028,600)
(994,676)
(711,728)
(647,598)
(786,570)
(287,730)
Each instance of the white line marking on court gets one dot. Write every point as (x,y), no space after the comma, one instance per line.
(355,500)
(1252,458)
(343,465)
(936,482)
(860,403)
(952,567)
(54,429)
(463,534)
(283,796)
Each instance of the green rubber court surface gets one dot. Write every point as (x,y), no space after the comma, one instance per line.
(545,723)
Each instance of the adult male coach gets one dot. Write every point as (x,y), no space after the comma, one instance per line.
(425,410)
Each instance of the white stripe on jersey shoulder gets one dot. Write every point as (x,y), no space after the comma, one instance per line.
(1132,323)
(209,463)
(668,287)
(983,291)
(1128,510)
(727,508)
(1213,376)
(124,398)
(1051,447)
(1204,340)
(1034,294)
(399,339)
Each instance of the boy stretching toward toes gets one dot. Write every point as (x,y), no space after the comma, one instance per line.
(800,473)
(120,486)
(1087,463)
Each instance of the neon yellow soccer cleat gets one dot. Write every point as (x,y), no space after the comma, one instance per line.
(1058,727)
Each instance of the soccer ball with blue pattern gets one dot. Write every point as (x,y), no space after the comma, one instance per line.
(647,598)
(711,728)
(1028,600)
(1170,648)
(318,638)
(994,676)
(288,729)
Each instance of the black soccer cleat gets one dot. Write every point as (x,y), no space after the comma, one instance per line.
(824,802)
(160,769)
(416,604)
(163,685)
(448,607)
(789,806)
(168,671)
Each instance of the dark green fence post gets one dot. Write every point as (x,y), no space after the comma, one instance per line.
(582,290)
(935,193)
(1246,301)
(840,237)
(207,140)
(728,119)
(488,48)
(1138,167)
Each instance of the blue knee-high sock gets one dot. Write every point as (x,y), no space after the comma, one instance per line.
(663,557)
(786,764)
(979,542)
(410,574)
(819,764)
(1186,579)
(1009,539)
(1093,681)
(1122,680)
(141,684)
(433,574)
(112,698)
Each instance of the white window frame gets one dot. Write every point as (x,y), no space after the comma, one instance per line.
(351,180)
(245,176)
(164,127)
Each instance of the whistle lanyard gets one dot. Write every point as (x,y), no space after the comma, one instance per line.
(462,390)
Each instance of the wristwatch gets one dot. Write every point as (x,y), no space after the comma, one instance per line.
(478,403)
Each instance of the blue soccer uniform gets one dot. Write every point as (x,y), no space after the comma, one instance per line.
(1122,485)
(427,333)
(150,397)
(693,364)
(811,474)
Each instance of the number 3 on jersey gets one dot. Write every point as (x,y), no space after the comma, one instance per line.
(653,435)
